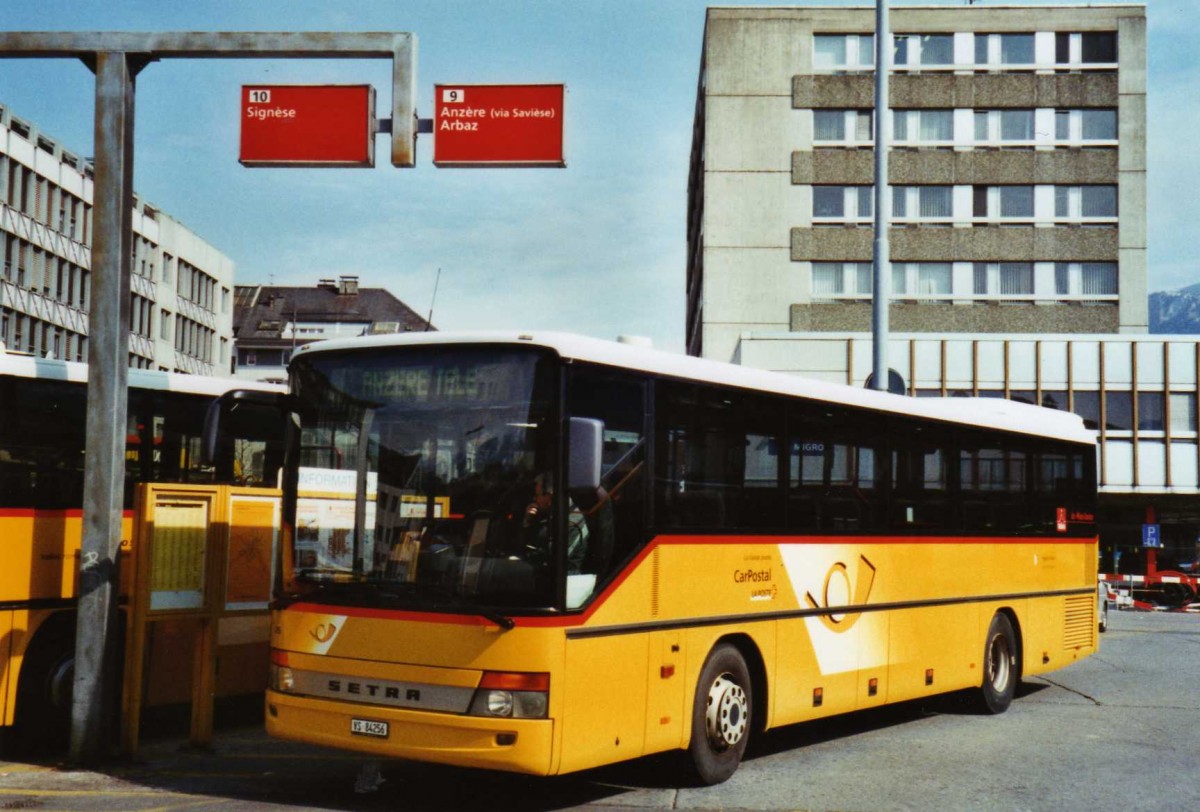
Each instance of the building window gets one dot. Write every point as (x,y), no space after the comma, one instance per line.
(923,126)
(922,49)
(1150,411)
(1085,48)
(922,280)
(1087,406)
(1004,126)
(1004,279)
(842,203)
(1004,49)
(1098,278)
(1082,202)
(933,279)
(1081,126)
(832,280)
(843,51)
(1118,411)
(828,280)
(250,358)
(842,126)
(1086,279)
(923,203)
(1003,202)
(1183,412)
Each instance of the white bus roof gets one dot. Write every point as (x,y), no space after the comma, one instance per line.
(22,365)
(986,412)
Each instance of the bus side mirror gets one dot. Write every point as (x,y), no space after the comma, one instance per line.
(587,444)
(222,408)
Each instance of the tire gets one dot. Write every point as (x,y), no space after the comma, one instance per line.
(1000,666)
(721,715)
(43,721)
(1103,616)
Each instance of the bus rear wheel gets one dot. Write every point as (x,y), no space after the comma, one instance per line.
(1000,671)
(721,715)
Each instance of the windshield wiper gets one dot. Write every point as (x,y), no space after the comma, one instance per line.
(449,597)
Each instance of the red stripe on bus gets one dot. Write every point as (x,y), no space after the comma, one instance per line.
(49,513)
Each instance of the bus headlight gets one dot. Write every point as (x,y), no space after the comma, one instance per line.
(512,695)
(281,676)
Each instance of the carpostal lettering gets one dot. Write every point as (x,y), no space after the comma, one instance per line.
(367,689)
(264,113)
(751,576)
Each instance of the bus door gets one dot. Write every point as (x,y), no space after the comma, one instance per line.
(611,679)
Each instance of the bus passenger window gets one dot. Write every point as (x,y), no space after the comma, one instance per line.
(835,472)
(993,481)
(718,459)
(920,500)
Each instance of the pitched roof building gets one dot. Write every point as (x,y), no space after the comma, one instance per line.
(270,321)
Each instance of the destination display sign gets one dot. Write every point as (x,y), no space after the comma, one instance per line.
(499,125)
(308,125)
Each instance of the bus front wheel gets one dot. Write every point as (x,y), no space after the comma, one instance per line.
(1000,671)
(721,715)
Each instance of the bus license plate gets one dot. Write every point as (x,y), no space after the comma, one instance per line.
(369,727)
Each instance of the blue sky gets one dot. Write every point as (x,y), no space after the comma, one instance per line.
(596,248)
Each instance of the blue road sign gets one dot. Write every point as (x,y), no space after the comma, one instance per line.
(1151,536)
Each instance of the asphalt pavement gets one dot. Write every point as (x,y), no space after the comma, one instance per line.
(1120,730)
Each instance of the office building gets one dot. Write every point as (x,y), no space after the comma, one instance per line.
(181,287)
(1017,172)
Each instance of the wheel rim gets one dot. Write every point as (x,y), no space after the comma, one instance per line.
(999,663)
(727,714)
(60,683)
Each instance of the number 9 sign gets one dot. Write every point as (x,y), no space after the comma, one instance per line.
(452,95)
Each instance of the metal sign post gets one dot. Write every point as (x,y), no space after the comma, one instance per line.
(116,57)
(108,365)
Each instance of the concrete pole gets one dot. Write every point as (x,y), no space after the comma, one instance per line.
(881,255)
(108,365)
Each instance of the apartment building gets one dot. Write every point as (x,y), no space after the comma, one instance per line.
(1017,172)
(181,287)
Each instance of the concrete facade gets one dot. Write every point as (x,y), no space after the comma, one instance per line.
(181,287)
(1018,156)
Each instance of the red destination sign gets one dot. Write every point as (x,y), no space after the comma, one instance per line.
(498,125)
(308,125)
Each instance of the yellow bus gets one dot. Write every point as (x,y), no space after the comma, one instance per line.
(42,408)
(542,553)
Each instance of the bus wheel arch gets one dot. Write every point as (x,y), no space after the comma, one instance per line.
(727,707)
(1002,663)
(44,689)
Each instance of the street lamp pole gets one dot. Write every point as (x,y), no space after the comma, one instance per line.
(883,200)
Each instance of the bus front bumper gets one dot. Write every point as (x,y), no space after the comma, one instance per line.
(513,745)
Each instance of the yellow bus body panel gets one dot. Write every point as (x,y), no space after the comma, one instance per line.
(832,625)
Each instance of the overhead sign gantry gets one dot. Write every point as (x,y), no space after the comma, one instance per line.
(117,57)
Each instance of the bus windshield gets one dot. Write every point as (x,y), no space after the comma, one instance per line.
(420,472)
